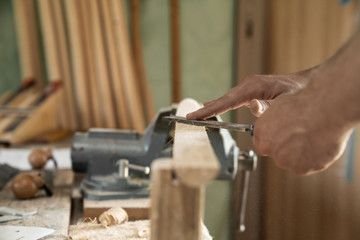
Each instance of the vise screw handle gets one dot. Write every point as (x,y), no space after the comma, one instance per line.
(124,167)
(247,162)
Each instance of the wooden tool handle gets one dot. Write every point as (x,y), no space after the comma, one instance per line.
(39,157)
(25,186)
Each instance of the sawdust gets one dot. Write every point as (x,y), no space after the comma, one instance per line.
(114,225)
(136,230)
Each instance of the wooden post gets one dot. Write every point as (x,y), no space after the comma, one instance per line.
(176,208)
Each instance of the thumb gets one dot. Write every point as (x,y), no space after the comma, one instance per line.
(258,107)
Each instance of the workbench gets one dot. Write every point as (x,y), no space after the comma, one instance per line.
(64,212)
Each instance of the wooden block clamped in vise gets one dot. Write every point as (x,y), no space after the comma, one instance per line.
(178,183)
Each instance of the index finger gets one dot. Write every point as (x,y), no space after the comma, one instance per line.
(211,109)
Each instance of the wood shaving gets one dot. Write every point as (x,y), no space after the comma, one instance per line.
(113,216)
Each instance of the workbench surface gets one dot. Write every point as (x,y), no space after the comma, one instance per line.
(52,212)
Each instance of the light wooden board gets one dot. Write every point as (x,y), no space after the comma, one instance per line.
(52,55)
(137,209)
(81,83)
(26,26)
(89,63)
(63,48)
(143,85)
(123,109)
(101,67)
(195,162)
(126,64)
(53,212)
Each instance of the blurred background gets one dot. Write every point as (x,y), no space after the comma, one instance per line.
(118,66)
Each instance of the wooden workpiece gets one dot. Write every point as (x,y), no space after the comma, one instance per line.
(177,184)
(195,161)
(52,212)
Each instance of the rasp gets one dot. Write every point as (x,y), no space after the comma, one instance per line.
(213,124)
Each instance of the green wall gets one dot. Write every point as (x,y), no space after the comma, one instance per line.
(9,60)
(206,62)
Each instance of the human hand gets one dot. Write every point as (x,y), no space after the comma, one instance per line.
(299,134)
(255,92)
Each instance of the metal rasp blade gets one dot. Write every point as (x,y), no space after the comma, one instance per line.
(213,124)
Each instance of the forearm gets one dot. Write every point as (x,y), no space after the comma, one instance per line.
(336,87)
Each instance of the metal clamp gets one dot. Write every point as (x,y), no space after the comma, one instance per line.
(247,163)
(124,167)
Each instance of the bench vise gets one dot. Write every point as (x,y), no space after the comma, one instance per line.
(117,162)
